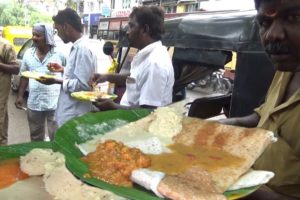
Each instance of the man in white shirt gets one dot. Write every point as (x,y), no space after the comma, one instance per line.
(81,64)
(151,78)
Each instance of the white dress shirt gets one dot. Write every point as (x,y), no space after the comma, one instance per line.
(81,65)
(151,78)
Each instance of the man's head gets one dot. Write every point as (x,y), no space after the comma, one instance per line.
(279,29)
(146,25)
(68,25)
(108,48)
(42,35)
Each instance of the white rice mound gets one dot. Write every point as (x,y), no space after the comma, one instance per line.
(34,162)
(167,122)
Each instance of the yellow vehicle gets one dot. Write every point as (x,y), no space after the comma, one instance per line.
(17,35)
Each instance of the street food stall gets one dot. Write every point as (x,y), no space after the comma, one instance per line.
(161,154)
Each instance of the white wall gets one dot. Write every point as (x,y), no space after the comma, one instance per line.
(227,5)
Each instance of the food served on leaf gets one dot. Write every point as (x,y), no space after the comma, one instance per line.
(150,134)
(198,159)
(92,95)
(10,172)
(208,159)
(58,180)
(34,163)
(113,162)
(36,75)
(194,183)
(246,143)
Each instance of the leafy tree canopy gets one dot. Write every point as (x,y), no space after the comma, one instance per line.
(16,14)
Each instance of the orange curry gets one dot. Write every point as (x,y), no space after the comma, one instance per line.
(10,172)
(113,162)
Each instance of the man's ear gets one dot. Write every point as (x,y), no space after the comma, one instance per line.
(146,29)
(65,26)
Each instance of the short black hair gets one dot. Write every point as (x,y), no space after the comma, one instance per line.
(108,48)
(153,16)
(70,17)
(256,2)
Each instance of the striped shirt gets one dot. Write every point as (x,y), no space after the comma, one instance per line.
(42,97)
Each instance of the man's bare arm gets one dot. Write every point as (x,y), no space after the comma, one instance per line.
(22,88)
(12,68)
(261,194)
(247,121)
(118,79)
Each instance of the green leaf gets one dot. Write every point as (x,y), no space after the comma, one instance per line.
(82,129)
(17,150)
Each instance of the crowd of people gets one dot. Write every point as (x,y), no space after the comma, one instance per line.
(151,78)
(50,104)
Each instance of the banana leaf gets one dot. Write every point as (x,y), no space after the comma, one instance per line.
(69,135)
(17,150)
(81,129)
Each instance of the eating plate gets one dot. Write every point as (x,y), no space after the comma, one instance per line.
(36,75)
(92,95)
(82,129)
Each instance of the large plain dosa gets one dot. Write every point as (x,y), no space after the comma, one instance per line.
(247,143)
(194,184)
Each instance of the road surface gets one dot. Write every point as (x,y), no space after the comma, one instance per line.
(18,130)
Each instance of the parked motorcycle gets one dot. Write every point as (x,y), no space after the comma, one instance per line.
(213,83)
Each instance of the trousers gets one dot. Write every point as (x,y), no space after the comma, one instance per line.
(37,121)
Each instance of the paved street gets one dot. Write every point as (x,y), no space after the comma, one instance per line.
(18,131)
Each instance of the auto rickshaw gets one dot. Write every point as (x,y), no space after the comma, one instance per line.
(205,42)
(17,35)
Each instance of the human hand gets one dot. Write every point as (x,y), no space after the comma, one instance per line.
(97,78)
(49,81)
(55,67)
(19,103)
(105,104)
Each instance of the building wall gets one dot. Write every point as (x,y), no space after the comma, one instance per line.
(214,5)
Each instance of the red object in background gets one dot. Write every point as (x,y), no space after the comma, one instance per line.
(230,74)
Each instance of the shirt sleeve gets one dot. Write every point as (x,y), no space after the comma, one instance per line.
(259,110)
(10,54)
(153,85)
(84,67)
(63,59)
(24,64)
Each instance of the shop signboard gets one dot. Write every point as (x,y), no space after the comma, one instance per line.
(94,18)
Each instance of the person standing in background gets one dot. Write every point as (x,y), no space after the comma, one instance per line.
(151,79)
(81,64)
(8,66)
(1,31)
(42,99)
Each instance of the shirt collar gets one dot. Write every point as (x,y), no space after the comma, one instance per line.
(149,47)
(75,44)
